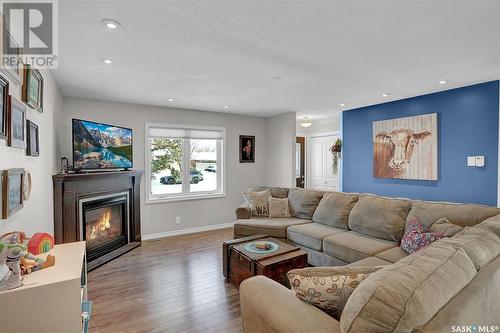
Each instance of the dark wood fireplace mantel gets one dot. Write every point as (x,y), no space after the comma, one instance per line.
(69,189)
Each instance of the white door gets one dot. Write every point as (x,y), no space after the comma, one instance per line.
(322,175)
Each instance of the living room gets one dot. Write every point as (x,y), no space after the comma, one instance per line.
(228,166)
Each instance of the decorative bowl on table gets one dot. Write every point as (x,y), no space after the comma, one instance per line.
(261,247)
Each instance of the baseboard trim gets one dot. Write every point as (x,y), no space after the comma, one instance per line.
(165,234)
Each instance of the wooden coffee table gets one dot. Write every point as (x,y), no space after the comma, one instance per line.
(240,264)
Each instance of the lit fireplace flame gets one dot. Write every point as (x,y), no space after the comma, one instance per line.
(101,225)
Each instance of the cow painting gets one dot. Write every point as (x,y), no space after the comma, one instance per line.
(406,148)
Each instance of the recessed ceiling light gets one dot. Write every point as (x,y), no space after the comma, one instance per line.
(110,24)
(170,99)
(386,94)
(342,104)
(444,81)
(227,106)
(107,61)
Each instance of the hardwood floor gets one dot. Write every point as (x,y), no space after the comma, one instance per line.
(169,285)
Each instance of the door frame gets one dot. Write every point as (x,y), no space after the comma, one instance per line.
(303,158)
(308,155)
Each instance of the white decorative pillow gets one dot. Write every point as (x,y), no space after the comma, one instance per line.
(258,202)
(278,207)
(328,288)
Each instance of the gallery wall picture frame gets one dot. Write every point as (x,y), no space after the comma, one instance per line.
(32,139)
(12,67)
(247,148)
(12,181)
(16,121)
(33,88)
(4,100)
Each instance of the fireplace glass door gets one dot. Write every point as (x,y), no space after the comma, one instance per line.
(105,225)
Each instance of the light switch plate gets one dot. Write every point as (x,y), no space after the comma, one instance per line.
(471,161)
(480,161)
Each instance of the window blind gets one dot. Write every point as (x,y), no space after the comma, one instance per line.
(185,133)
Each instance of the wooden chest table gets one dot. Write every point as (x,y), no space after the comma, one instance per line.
(240,264)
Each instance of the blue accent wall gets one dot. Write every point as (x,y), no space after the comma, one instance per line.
(467,125)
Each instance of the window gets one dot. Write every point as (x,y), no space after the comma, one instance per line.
(184,162)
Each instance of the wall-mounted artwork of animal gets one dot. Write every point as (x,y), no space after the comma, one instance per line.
(406,148)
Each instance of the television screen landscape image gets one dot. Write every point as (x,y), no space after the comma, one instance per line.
(101,146)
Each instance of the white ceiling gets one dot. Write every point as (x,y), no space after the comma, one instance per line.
(206,54)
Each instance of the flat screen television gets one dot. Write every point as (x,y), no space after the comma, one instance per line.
(101,146)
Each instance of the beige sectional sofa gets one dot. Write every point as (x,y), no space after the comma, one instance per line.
(454,281)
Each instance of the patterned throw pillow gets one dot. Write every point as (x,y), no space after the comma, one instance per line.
(258,202)
(278,207)
(415,237)
(328,288)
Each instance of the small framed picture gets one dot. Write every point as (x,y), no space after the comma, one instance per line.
(33,88)
(12,191)
(32,139)
(4,98)
(247,149)
(16,122)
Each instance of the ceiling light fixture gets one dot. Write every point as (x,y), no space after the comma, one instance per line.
(226,106)
(444,81)
(305,122)
(342,104)
(386,95)
(107,61)
(110,24)
(170,99)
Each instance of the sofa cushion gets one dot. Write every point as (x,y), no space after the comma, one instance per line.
(271,227)
(278,207)
(369,261)
(351,246)
(328,288)
(303,203)
(311,235)
(276,192)
(407,294)
(334,209)
(258,202)
(393,255)
(379,217)
(480,244)
(445,227)
(460,214)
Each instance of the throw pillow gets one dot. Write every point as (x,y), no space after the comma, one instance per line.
(445,227)
(415,237)
(328,288)
(278,207)
(258,202)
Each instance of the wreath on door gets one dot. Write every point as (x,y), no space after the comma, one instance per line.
(336,150)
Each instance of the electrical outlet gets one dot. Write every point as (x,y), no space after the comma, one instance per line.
(177,220)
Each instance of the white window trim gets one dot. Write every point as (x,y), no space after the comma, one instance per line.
(220,192)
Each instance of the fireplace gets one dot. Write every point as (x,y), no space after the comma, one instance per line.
(100,208)
(104,224)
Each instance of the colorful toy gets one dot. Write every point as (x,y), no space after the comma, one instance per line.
(9,255)
(40,242)
(28,263)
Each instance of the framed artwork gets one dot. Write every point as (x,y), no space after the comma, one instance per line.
(32,139)
(16,122)
(33,88)
(4,98)
(12,191)
(406,148)
(247,149)
(11,67)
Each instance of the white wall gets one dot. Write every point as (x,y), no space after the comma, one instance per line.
(159,218)
(281,150)
(37,213)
